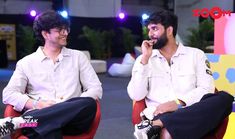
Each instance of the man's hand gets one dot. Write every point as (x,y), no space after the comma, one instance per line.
(44,103)
(147,47)
(38,104)
(166,107)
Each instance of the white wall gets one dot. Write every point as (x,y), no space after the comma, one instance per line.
(93,8)
(23,7)
(183,8)
(138,10)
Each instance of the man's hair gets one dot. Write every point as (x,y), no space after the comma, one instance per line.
(48,20)
(165,18)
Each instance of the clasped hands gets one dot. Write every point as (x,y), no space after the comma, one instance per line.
(169,106)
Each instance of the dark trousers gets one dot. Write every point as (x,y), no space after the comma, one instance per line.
(197,120)
(71,117)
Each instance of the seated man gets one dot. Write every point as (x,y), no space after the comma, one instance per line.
(55,87)
(177,85)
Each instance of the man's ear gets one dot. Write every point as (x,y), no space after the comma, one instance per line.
(44,34)
(169,31)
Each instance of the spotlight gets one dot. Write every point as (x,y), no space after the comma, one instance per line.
(64,13)
(33,13)
(121,15)
(145,16)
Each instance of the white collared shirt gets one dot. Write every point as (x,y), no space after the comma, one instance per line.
(187,78)
(38,77)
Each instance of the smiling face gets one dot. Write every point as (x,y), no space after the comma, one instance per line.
(57,37)
(157,33)
(51,28)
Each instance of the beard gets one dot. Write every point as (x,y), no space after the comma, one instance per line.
(161,42)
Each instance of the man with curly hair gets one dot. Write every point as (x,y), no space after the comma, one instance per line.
(55,87)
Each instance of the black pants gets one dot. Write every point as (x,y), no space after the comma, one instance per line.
(71,117)
(197,120)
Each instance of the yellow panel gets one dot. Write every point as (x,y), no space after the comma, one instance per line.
(7,32)
(223,68)
(230,132)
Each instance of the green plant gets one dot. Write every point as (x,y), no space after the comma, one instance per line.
(202,36)
(145,33)
(128,39)
(26,41)
(108,39)
(100,41)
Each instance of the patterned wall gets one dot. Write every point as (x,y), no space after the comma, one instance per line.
(223,71)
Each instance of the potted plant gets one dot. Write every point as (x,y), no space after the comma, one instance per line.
(100,41)
(128,39)
(26,41)
(202,36)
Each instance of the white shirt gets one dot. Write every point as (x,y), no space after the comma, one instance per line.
(38,77)
(187,78)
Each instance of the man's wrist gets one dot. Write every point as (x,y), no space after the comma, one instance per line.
(144,61)
(178,104)
(35,104)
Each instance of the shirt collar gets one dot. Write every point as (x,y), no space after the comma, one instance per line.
(180,50)
(64,53)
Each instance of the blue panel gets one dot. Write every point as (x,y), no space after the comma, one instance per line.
(213,58)
(215,75)
(230,75)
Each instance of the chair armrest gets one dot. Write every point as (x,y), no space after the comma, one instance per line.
(138,107)
(219,132)
(10,112)
(95,123)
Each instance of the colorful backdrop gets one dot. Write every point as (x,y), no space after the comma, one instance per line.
(223,64)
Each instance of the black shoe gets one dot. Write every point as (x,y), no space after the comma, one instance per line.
(6,126)
(142,128)
(154,132)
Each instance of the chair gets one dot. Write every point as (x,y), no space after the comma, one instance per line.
(9,111)
(139,106)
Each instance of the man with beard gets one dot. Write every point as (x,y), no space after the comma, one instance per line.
(177,85)
(55,87)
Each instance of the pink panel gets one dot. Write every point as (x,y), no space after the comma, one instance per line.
(219,35)
(225,35)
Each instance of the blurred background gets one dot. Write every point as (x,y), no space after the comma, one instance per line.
(108,30)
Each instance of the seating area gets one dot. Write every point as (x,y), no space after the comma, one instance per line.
(115,106)
(110,33)
(124,68)
(100,66)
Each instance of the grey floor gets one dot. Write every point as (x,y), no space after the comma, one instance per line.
(116,106)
